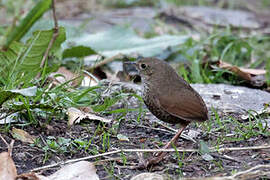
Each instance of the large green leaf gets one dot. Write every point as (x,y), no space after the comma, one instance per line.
(26,58)
(28,21)
(125,41)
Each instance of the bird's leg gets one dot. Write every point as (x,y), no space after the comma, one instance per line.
(161,155)
(173,140)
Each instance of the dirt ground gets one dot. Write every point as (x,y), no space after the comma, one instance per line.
(148,133)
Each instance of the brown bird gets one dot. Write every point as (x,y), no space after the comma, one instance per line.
(169,97)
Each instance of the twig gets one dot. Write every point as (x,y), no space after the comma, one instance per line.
(167,127)
(241,148)
(226,157)
(4,140)
(75,160)
(251,173)
(55,35)
(106,61)
(9,146)
(172,131)
(100,162)
(149,150)
(186,137)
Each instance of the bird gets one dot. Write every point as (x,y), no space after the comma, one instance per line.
(169,97)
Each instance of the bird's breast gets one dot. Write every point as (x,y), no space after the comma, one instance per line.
(151,100)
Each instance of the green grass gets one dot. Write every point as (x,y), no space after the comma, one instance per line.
(200,57)
(240,130)
(180,159)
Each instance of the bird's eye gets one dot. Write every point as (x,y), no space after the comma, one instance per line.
(143,66)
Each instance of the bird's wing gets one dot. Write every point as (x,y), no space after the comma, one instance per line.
(184,103)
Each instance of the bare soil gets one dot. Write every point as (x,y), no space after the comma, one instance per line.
(142,135)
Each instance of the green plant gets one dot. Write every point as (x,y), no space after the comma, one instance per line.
(180,160)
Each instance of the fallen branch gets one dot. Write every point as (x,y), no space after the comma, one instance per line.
(106,61)
(212,149)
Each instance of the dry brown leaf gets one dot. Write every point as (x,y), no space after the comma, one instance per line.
(75,116)
(7,167)
(77,171)
(86,109)
(31,176)
(89,80)
(64,75)
(22,135)
(254,71)
(244,73)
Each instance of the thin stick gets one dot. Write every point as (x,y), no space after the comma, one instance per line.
(240,148)
(175,131)
(106,61)
(55,35)
(251,173)
(9,146)
(4,140)
(172,131)
(75,160)
(150,150)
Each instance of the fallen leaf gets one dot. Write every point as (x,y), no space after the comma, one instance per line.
(22,135)
(75,116)
(122,137)
(77,171)
(207,157)
(31,176)
(244,73)
(63,75)
(9,94)
(125,41)
(204,151)
(8,119)
(89,80)
(7,167)
(255,76)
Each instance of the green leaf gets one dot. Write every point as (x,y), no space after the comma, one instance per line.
(28,21)
(125,41)
(78,51)
(9,94)
(204,149)
(39,43)
(23,60)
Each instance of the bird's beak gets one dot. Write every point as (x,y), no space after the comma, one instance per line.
(131,68)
